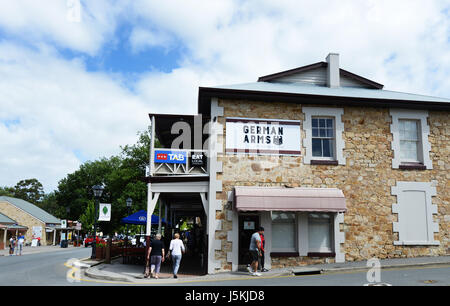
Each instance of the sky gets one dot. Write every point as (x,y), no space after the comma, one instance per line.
(78,78)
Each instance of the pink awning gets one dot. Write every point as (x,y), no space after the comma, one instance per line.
(289,199)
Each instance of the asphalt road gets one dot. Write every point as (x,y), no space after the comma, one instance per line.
(48,269)
(41,269)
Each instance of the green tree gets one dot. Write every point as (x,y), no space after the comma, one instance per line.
(123,176)
(30,190)
(7,191)
(87,218)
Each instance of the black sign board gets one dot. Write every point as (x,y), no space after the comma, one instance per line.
(197,159)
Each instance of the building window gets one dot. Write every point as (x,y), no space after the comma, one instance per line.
(415,211)
(319,233)
(283,232)
(323,142)
(323,137)
(410,139)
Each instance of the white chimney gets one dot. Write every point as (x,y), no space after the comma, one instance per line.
(333,70)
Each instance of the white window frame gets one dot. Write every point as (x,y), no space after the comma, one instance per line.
(295,228)
(401,208)
(333,157)
(339,144)
(424,147)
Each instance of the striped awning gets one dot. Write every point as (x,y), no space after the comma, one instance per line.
(289,199)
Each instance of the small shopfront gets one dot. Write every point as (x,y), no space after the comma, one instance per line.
(297,221)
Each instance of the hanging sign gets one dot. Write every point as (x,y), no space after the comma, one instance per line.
(63,223)
(197,159)
(104,212)
(170,157)
(263,136)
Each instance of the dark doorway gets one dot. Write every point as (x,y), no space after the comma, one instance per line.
(187,217)
(248,224)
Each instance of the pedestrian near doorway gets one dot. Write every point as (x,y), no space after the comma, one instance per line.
(12,245)
(261,258)
(155,256)
(176,250)
(255,251)
(20,243)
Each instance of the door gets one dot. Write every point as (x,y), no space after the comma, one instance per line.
(248,225)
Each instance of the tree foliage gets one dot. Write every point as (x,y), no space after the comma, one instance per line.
(122,176)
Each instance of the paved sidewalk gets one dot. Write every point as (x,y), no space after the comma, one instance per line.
(118,272)
(34,250)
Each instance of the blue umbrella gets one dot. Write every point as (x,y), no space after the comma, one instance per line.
(140,218)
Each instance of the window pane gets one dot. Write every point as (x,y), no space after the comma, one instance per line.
(283,230)
(408,150)
(315,132)
(322,123)
(330,133)
(323,133)
(329,123)
(283,216)
(319,232)
(327,147)
(317,147)
(283,236)
(315,123)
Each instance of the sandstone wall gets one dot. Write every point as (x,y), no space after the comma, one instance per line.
(366,179)
(23,219)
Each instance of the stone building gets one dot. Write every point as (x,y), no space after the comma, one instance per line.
(331,165)
(22,217)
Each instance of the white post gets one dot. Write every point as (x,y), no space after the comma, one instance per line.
(160,217)
(54,236)
(151,204)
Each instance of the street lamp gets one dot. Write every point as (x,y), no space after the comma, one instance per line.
(129,202)
(98,190)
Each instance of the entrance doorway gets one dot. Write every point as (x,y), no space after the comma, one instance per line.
(187,217)
(248,224)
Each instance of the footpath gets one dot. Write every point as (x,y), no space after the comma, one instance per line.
(116,271)
(27,250)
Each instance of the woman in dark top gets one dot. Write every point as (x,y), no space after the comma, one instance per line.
(156,254)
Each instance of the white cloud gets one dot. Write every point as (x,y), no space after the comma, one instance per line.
(62,109)
(65,109)
(50,21)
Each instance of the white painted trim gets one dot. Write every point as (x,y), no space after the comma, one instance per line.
(152,199)
(339,129)
(339,237)
(400,227)
(178,187)
(214,166)
(266,222)
(421,116)
(303,238)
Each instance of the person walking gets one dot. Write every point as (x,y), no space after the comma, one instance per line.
(263,245)
(176,249)
(255,251)
(12,244)
(20,243)
(155,256)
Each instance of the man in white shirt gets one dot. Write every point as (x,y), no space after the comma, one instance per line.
(176,249)
(20,243)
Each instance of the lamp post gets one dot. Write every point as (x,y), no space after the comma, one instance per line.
(98,190)
(129,202)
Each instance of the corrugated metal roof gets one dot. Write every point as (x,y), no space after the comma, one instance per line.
(352,92)
(6,220)
(32,209)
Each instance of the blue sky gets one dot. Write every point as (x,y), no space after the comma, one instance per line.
(77,89)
